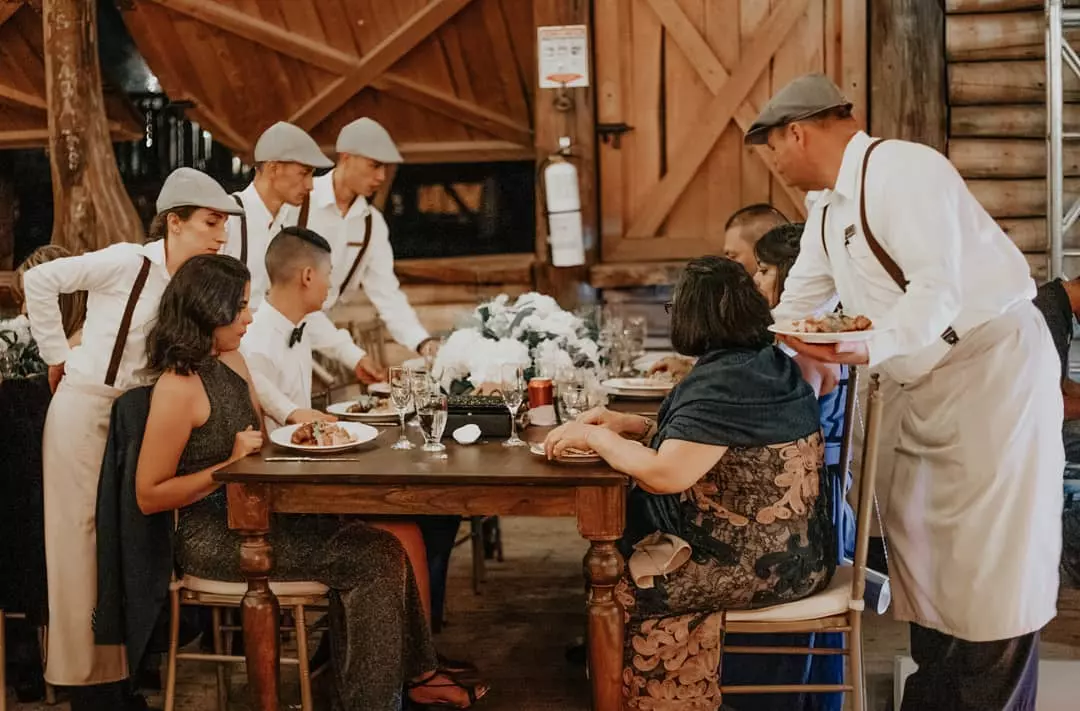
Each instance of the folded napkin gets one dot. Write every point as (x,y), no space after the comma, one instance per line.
(656,554)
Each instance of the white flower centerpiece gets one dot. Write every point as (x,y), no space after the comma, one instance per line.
(532,332)
(19,357)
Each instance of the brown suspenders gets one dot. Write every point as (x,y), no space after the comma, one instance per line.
(243,230)
(125,323)
(359,255)
(887,263)
(305,207)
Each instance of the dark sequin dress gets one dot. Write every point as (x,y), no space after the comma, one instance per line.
(380,637)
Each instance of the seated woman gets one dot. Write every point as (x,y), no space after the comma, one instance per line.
(734,468)
(204,415)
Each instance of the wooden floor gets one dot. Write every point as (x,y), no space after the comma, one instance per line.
(531,609)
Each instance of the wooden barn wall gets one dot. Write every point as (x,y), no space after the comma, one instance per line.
(995,51)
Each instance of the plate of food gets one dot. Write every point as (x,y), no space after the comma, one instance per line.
(830,328)
(655,383)
(569,456)
(323,437)
(365,408)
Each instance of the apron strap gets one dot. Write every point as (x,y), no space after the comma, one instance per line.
(824,242)
(305,208)
(243,230)
(125,323)
(359,255)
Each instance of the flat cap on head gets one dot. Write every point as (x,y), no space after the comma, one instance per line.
(365,137)
(803,98)
(189,187)
(289,143)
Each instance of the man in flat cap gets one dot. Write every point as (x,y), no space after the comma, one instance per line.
(975,500)
(341,211)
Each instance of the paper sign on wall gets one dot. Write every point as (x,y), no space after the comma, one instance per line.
(563,52)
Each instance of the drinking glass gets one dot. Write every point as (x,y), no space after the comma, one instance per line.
(513,394)
(401,396)
(431,414)
(574,400)
(636,334)
(421,383)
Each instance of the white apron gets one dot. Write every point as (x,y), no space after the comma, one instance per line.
(975,498)
(76,430)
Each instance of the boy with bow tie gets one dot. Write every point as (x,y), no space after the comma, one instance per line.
(277,345)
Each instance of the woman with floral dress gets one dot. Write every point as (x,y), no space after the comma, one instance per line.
(733,468)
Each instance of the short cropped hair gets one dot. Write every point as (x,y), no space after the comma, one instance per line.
(292,249)
(716,306)
(759,213)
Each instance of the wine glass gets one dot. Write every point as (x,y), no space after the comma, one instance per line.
(401,396)
(431,413)
(421,383)
(513,393)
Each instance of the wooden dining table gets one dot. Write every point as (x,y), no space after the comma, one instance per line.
(484,478)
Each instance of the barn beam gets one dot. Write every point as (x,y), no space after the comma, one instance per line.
(21,99)
(220,128)
(9,9)
(714,75)
(321,55)
(395,46)
(699,139)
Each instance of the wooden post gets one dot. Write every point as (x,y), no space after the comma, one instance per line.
(907,71)
(9,215)
(580,124)
(91,208)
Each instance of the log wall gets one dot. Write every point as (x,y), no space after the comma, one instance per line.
(997,115)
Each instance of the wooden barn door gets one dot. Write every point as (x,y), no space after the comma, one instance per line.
(688,77)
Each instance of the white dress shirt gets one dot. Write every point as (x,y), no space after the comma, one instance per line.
(376,271)
(261,228)
(962,269)
(281,373)
(108,276)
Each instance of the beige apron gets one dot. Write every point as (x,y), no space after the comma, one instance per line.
(76,432)
(974,518)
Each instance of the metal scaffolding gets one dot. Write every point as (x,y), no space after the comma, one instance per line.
(1059,55)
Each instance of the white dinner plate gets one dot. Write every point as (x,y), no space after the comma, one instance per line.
(643,363)
(537,448)
(380,415)
(641,385)
(786,328)
(379,389)
(361,433)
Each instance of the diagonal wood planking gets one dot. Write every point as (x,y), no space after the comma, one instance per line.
(21,99)
(701,137)
(8,9)
(712,72)
(326,57)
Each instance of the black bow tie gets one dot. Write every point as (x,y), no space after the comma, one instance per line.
(297,334)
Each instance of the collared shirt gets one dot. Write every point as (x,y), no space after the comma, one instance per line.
(261,228)
(281,374)
(961,267)
(108,276)
(376,271)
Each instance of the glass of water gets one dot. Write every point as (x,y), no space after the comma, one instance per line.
(401,397)
(513,394)
(431,411)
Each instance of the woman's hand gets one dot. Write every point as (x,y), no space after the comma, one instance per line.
(248,442)
(56,374)
(571,435)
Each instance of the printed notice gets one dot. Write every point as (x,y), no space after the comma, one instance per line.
(564,56)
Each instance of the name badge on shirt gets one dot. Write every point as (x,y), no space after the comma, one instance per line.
(849,232)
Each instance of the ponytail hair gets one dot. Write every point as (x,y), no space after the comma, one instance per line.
(159,226)
(779,248)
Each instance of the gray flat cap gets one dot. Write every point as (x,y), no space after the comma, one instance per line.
(288,143)
(803,98)
(189,187)
(365,137)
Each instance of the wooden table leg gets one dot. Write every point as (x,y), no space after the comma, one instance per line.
(601,514)
(249,513)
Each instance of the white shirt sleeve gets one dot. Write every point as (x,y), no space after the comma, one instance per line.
(331,341)
(43,285)
(809,288)
(383,289)
(914,211)
(275,403)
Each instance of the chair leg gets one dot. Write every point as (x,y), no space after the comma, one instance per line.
(174,645)
(476,524)
(306,702)
(498,539)
(219,649)
(855,664)
(3,662)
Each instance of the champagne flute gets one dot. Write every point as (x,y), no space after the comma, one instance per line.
(401,396)
(513,393)
(431,413)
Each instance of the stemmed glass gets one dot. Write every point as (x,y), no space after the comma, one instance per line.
(431,412)
(401,396)
(513,393)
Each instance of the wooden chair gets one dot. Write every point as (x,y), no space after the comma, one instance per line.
(839,607)
(50,692)
(479,555)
